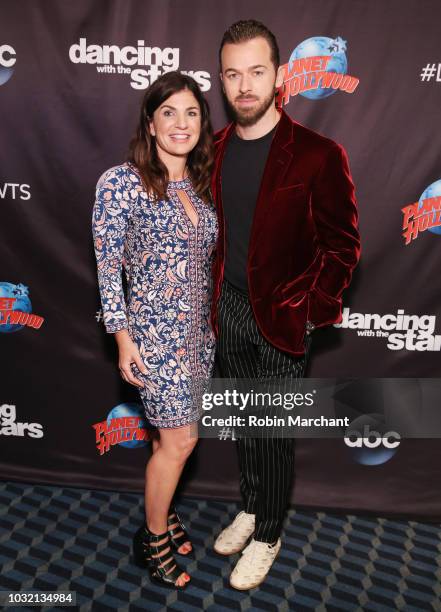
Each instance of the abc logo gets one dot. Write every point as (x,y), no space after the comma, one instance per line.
(7,56)
(7,61)
(370,441)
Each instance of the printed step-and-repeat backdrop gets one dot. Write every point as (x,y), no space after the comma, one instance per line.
(366,74)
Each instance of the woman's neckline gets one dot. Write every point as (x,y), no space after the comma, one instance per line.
(182,184)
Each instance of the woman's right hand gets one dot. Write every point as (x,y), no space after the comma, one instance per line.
(128,355)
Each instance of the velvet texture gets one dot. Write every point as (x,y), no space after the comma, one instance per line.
(304,241)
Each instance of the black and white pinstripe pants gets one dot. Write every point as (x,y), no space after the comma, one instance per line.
(266,463)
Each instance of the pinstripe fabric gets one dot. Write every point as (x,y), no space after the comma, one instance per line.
(266,463)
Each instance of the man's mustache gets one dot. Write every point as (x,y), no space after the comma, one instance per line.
(246,98)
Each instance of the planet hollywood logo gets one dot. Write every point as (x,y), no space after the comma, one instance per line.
(125,425)
(7,62)
(401,331)
(143,64)
(16,309)
(424,214)
(317,69)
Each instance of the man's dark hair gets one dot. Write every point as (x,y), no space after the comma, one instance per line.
(244,30)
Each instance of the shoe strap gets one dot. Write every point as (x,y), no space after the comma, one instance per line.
(171,576)
(154,538)
(178,534)
(180,539)
(160,564)
(171,511)
(177,519)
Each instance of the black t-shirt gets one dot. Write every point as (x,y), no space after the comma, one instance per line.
(242,170)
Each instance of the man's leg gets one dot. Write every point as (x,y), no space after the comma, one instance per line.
(275,470)
(275,455)
(238,358)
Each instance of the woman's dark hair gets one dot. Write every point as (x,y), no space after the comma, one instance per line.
(142,150)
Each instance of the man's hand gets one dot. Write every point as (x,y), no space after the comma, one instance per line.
(128,355)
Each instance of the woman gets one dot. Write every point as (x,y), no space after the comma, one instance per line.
(153,215)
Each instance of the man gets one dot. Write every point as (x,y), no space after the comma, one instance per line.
(287,246)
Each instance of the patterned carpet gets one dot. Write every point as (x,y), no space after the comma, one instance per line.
(74,539)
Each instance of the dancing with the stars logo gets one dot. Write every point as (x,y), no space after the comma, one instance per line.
(317,69)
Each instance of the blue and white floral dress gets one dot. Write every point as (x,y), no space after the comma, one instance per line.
(167,262)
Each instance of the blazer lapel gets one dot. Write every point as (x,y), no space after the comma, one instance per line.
(220,146)
(277,164)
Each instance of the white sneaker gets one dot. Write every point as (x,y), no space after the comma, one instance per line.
(254,564)
(234,537)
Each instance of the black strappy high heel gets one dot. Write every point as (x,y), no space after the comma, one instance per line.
(141,551)
(178,534)
(148,553)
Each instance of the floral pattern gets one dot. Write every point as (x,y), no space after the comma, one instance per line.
(167,262)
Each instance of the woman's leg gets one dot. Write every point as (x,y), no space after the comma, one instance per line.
(155,440)
(186,547)
(163,471)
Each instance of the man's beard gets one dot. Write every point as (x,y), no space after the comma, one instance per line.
(246,117)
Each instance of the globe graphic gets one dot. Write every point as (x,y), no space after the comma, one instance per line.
(431,191)
(22,303)
(129,409)
(372,456)
(319,46)
(5,74)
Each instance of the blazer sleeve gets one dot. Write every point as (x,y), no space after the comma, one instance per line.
(334,210)
(109,227)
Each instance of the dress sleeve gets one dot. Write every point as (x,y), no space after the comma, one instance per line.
(109,227)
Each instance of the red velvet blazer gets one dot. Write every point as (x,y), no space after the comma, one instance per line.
(304,239)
